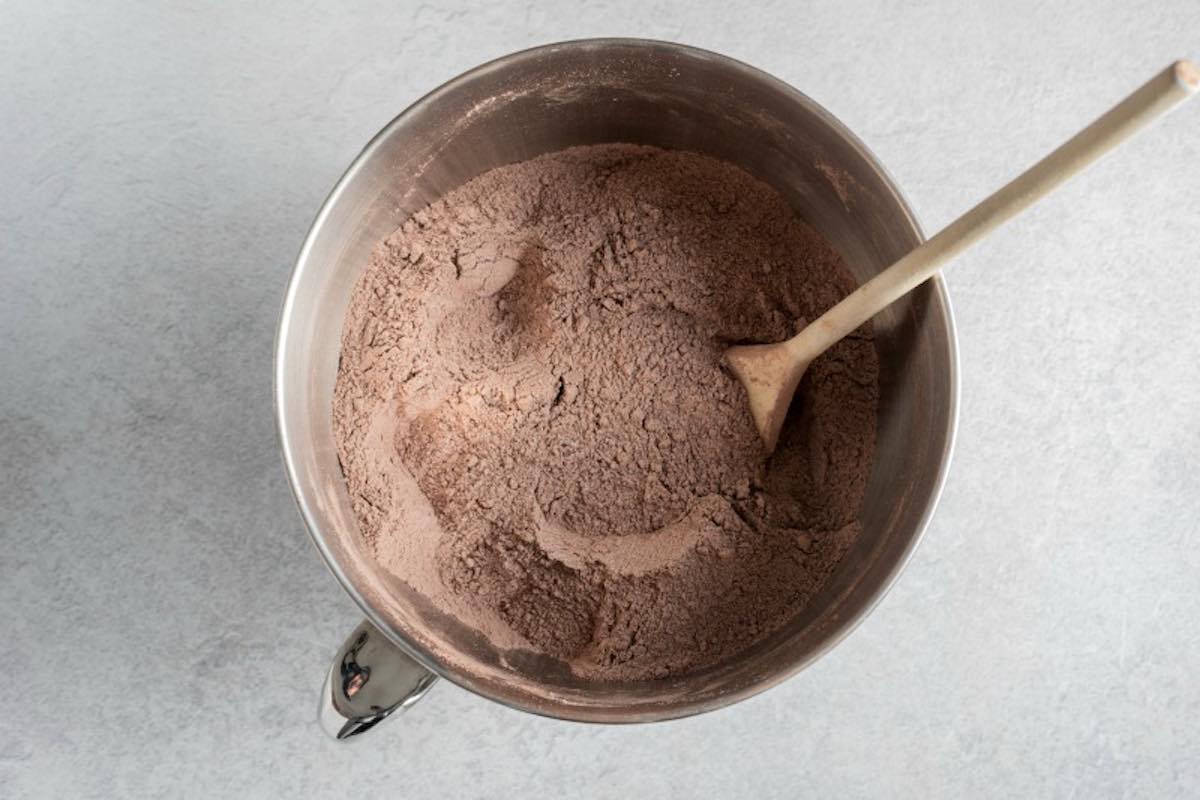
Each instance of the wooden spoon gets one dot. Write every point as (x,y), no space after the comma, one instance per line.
(771,372)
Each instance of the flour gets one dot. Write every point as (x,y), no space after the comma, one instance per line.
(537,432)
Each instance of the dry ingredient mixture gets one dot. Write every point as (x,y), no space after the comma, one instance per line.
(537,432)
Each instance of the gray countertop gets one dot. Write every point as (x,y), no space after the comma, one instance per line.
(166,621)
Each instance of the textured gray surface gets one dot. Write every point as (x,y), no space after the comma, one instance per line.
(166,621)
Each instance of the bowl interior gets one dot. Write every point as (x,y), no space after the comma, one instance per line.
(649,93)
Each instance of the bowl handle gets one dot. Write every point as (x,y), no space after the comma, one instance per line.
(370,679)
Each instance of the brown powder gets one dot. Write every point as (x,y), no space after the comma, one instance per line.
(537,432)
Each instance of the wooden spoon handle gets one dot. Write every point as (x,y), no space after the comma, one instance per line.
(1153,100)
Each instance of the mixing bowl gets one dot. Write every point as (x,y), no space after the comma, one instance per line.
(534,102)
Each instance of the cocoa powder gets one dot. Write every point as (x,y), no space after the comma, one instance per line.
(537,432)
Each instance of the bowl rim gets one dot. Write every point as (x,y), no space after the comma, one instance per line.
(582,713)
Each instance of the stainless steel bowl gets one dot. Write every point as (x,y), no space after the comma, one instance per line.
(545,99)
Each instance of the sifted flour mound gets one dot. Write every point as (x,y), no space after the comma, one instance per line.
(537,432)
